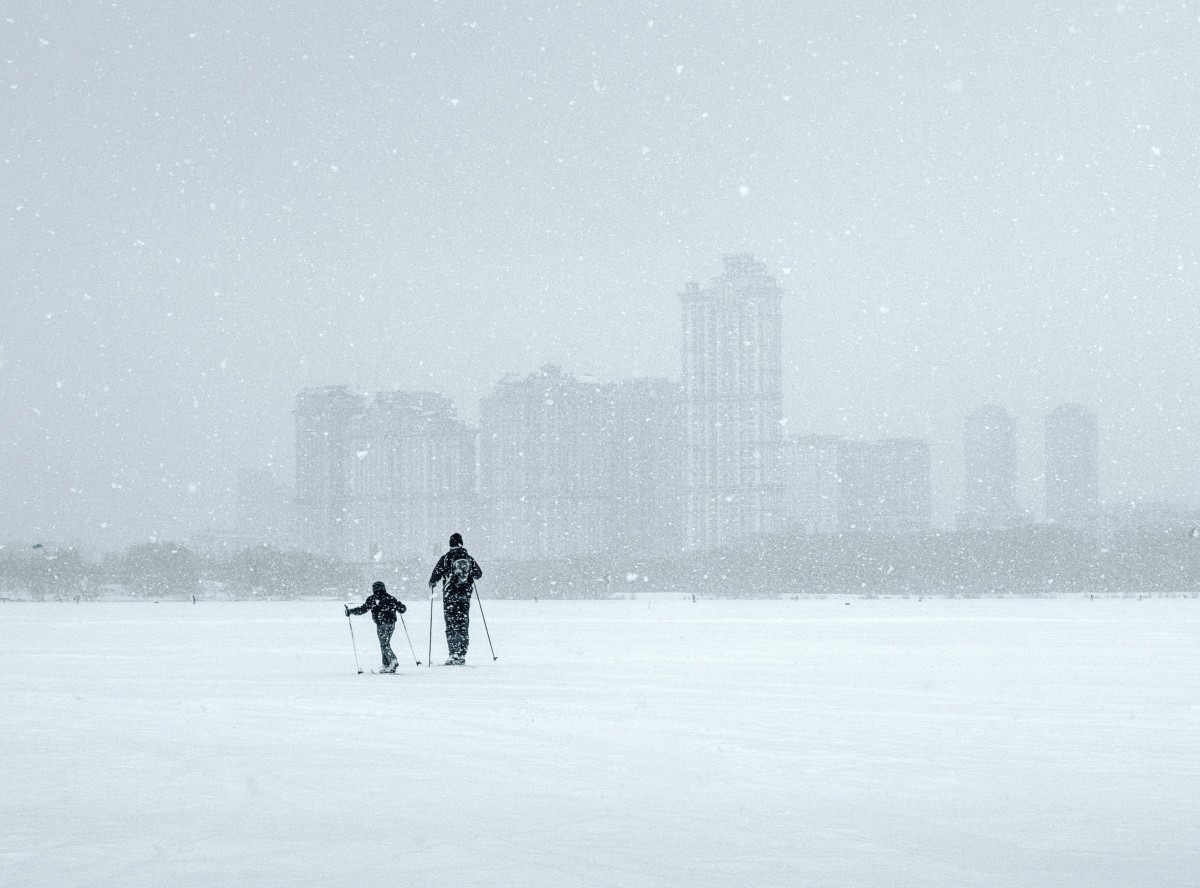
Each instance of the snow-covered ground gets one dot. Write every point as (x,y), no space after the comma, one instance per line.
(615,743)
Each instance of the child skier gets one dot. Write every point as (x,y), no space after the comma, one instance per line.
(383,608)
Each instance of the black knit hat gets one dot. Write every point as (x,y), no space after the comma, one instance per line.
(456,539)
(378,586)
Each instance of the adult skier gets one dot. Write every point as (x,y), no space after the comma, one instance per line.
(383,608)
(458,572)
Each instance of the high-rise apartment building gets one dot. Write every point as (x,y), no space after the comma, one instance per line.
(1072,466)
(732,385)
(542,466)
(990,470)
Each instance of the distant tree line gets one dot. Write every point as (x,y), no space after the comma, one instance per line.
(165,570)
(1034,560)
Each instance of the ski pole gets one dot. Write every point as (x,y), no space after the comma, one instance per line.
(479,598)
(429,658)
(353,643)
(410,646)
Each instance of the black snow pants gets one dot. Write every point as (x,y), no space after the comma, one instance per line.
(456,606)
(385,630)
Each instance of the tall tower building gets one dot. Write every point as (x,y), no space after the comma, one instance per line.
(732,387)
(1072,466)
(541,466)
(990,463)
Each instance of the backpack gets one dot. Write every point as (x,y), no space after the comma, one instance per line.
(460,572)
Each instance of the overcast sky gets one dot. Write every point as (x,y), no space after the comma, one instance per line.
(205,207)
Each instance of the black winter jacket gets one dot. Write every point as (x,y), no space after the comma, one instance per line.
(458,569)
(383,607)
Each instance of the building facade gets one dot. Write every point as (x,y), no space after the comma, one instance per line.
(811,485)
(413,477)
(834,485)
(644,467)
(733,408)
(542,466)
(382,480)
(1072,466)
(990,470)
(904,479)
(326,419)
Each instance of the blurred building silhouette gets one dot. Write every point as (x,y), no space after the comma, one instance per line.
(644,467)
(1072,466)
(542,466)
(325,420)
(559,466)
(811,486)
(990,474)
(897,496)
(564,466)
(833,485)
(382,480)
(413,476)
(732,386)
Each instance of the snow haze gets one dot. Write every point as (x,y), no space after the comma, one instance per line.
(203,210)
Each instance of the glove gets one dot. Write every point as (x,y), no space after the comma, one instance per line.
(346,608)
(403,609)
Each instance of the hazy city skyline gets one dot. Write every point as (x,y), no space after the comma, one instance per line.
(208,210)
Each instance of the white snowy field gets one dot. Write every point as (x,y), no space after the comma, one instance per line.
(614,743)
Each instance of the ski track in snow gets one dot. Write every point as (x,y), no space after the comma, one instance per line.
(615,743)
